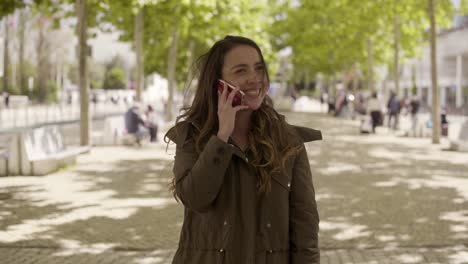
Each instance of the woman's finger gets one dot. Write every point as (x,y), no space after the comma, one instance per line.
(240,107)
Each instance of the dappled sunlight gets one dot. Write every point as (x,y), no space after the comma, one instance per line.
(389,139)
(387,238)
(461,228)
(339,167)
(459,216)
(435,182)
(153,257)
(422,220)
(409,258)
(112,208)
(419,149)
(73,247)
(409,157)
(347,231)
(77,196)
(459,257)
(155,151)
(4,214)
(458,228)
(328,195)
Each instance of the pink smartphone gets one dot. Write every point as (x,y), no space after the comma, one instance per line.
(238,98)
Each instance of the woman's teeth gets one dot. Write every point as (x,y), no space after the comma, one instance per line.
(251,92)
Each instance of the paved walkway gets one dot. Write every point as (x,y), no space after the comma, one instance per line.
(382,199)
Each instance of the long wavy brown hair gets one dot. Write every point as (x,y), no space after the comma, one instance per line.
(269,144)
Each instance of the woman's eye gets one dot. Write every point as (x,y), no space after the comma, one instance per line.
(260,68)
(241,71)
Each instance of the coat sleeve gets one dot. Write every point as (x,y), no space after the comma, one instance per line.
(199,177)
(304,218)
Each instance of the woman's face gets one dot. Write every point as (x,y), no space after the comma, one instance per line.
(243,67)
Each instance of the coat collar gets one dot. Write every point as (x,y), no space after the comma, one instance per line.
(307,134)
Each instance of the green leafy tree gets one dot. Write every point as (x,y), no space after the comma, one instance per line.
(177,32)
(114,76)
(332,36)
(114,79)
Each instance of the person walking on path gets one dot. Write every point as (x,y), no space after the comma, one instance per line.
(374,109)
(414,108)
(242,172)
(393,106)
(152,123)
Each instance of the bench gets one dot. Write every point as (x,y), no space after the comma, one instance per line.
(461,143)
(40,151)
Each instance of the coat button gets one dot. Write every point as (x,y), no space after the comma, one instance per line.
(246,159)
(289,184)
(221,250)
(270,251)
(268,225)
(225,223)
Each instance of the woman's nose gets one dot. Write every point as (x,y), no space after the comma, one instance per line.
(254,77)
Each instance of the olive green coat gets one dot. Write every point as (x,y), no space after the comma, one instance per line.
(226,221)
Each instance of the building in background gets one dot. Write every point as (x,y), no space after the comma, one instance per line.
(452,59)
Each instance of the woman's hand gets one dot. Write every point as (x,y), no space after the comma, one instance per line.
(227,113)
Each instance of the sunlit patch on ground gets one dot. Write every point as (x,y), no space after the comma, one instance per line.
(76,197)
(328,195)
(337,168)
(460,257)
(152,258)
(407,258)
(72,247)
(114,205)
(386,238)
(434,182)
(346,231)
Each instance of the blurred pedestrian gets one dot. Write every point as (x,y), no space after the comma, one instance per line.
(341,102)
(444,123)
(134,124)
(241,171)
(374,108)
(331,105)
(393,106)
(6,98)
(413,109)
(152,123)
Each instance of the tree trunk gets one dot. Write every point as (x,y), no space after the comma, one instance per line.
(139,53)
(413,92)
(355,78)
(21,33)
(435,89)
(85,125)
(171,72)
(396,58)
(370,66)
(188,81)
(42,68)
(5,53)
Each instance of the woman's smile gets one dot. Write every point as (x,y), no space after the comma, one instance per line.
(252,93)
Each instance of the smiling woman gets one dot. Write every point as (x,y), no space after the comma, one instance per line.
(241,171)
